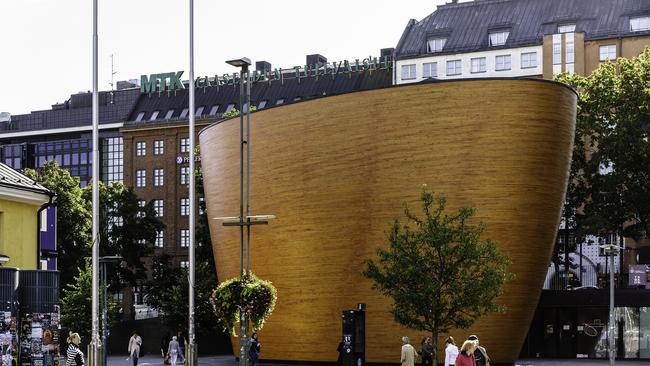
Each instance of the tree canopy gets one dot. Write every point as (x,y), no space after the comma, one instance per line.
(439,271)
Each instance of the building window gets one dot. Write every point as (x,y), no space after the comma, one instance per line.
(185,144)
(185,238)
(229,107)
(607,52)
(528,60)
(185,264)
(479,64)
(169,114)
(185,175)
(139,117)
(184,112)
(408,72)
(201,205)
(454,67)
(159,207)
(640,24)
(199,111)
(160,239)
(140,148)
(568,48)
(498,38)
(185,206)
(279,101)
(158,177)
(158,147)
(430,70)
(140,178)
(141,204)
(154,115)
(503,62)
(262,104)
(112,160)
(566,28)
(214,109)
(436,44)
(557,49)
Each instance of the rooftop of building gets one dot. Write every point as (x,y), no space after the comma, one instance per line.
(11,178)
(466,25)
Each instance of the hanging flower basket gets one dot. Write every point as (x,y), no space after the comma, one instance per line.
(254,296)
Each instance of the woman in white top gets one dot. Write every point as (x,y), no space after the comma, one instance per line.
(451,352)
(174,350)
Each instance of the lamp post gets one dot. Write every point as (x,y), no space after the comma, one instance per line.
(611,250)
(245,219)
(104,261)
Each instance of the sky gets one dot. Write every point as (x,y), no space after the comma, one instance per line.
(46,46)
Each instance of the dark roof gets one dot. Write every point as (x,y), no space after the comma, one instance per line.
(76,112)
(466,25)
(12,178)
(289,89)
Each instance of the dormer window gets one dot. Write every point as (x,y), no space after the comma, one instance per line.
(640,24)
(566,28)
(436,44)
(498,38)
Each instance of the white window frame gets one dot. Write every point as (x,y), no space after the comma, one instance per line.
(409,72)
(158,177)
(169,114)
(185,264)
(140,148)
(528,60)
(640,24)
(159,147)
(478,65)
(436,44)
(262,104)
(185,238)
(566,28)
(214,109)
(140,117)
(430,70)
(185,144)
(154,115)
(159,207)
(498,38)
(160,239)
(185,175)
(503,62)
(140,178)
(185,206)
(609,50)
(457,67)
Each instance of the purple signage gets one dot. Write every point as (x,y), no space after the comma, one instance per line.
(639,275)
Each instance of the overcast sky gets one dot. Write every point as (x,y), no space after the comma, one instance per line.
(46,45)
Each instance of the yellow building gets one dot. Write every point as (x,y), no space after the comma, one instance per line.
(22,201)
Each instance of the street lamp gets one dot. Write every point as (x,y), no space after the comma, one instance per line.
(611,250)
(244,219)
(104,261)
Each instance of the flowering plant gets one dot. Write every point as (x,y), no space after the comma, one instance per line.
(254,296)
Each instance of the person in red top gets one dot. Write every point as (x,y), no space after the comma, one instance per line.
(466,355)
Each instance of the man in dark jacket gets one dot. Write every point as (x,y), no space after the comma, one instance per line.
(480,354)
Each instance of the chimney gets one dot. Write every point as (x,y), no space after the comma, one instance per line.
(262,66)
(316,59)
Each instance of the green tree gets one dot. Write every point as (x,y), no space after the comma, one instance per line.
(439,272)
(126,229)
(73,217)
(612,123)
(76,303)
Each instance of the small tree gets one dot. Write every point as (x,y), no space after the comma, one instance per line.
(76,304)
(439,272)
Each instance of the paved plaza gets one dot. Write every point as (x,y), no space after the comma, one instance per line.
(230,361)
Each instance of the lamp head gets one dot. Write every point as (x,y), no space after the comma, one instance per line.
(243,62)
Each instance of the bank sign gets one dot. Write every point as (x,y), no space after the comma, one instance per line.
(171,81)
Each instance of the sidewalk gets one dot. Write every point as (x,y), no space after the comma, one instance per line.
(230,361)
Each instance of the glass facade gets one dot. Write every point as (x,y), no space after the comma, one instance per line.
(113,160)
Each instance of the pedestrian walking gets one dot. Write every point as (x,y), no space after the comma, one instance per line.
(426,351)
(74,356)
(339,349)
(164,346)
(134,347)
(451,352)
(181,344)
(480,354)
(409,354)
(466,355)
(254,347)
(174,350)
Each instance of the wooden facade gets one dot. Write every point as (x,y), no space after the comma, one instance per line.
(336,171)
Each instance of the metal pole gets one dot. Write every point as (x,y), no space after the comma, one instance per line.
(248,169)
(104,322)
(243,332)
(612,320)
(95,197)
(192,269)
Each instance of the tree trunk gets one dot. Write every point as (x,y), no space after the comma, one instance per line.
(434,343)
